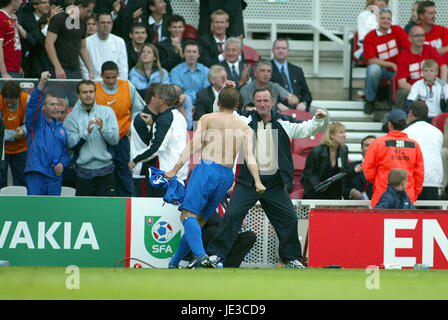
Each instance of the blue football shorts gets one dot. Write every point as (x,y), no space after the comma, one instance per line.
(207,186)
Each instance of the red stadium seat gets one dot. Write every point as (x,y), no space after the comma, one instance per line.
(298,114)
(297,191)
(439,121)
(190,32)
(303,146)
(299,163)
(250,55)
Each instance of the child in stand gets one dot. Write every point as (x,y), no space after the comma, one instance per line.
(432,90)
(395,197)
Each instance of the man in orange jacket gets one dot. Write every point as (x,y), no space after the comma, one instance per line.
(394,150)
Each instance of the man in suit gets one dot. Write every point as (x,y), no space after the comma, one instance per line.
(292,78)
(213,43)
(236,67)
(234,8)
(138,35)
(205,98)
(156,21)
(355,183)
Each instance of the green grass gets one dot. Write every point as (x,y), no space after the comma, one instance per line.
(220,284)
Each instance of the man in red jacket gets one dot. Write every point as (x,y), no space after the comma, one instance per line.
(394,150)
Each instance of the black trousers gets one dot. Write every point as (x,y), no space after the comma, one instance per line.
(243,243)
(98,186)
(279,210)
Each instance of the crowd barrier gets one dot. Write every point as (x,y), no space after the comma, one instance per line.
(106,232)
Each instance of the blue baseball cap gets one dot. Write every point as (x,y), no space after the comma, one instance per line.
(397,115)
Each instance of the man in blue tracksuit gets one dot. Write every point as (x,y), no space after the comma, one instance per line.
(47,143)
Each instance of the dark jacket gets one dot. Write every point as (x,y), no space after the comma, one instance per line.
(209,50)
(394,199)
(285,173)
(204,102)
(168,57)
(298,82)
(318,169)
(356,181)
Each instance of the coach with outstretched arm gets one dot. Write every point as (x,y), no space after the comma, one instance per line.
(273,133)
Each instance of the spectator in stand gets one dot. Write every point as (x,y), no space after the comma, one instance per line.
(395,196)
(414,17)
(29,20)
(35,23)
(123,98)
(236,67)
(168,140)
(207,96)
(104,46)
(367,21)
(65,43)
(290,76)
(171,49)
(325,161)
(409,65)
(141,135)
(47,143)
(190,75)
(355,184)
(263,71)
(156,23)
(124,14)
(138,36)
(382,48)
(213,43)
(91,130)
(430,89)
(148,69)
(92,26)
(394,150)
(13,103)
(234,8)
(10,45)
(436,36)
(430,139)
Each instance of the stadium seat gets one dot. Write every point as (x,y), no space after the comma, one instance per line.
(251,55)
(297,191)
(190,32)
(439,121)
(297,114)
(13,191)
(299,163)
(68,192)
(303,146)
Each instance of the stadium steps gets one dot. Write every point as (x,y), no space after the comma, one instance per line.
(357,123)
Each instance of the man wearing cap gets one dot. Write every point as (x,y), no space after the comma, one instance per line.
(394,150)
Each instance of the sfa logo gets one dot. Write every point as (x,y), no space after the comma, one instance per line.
(161,240)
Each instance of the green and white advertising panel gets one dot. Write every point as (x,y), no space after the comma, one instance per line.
(89,232)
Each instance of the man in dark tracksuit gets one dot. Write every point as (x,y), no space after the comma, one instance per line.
(273,152)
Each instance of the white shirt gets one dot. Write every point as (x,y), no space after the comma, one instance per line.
(159,31)
(430,140)
(100,51)
(431,95)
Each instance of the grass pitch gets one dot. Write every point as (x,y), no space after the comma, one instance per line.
(222,284)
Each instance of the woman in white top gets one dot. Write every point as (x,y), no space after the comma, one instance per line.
(368,21)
